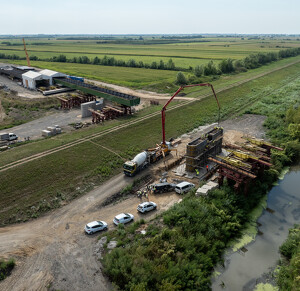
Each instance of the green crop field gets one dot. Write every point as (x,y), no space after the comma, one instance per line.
(211,48)
(185,53)
(63,177)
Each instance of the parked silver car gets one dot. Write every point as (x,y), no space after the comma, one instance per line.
(123,218)
(146,206)
(95,226)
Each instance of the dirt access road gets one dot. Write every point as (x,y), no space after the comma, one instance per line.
(54,251)
(139,93)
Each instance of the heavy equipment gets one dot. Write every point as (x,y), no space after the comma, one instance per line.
(163,111)
(27,57)
(143,159)
(150,156)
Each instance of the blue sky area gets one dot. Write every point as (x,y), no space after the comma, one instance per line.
(149,17)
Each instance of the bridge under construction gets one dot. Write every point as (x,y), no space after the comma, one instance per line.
(113,96)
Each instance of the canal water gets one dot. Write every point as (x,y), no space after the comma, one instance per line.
(243,270)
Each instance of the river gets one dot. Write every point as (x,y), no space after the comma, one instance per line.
(243,270)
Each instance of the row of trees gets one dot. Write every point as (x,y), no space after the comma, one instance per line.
(228,66)
(105,61)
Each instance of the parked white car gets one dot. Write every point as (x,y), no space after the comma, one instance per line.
(123,218)
(95,226)
(184,187)
(146,206)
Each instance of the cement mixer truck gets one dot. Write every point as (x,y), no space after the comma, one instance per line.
(143,159)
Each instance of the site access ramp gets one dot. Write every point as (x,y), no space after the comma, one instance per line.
(114,96)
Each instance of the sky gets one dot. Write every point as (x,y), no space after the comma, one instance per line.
(149,17)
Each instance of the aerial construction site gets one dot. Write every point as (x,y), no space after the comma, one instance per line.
(161,185)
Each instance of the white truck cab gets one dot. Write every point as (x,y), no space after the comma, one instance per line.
(8,136)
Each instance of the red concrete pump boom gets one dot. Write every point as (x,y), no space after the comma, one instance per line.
(163,114)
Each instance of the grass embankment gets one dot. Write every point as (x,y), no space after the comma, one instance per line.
(60,174)
(5,268)
(288,277)
(178,252)
(20,110)
(225,81)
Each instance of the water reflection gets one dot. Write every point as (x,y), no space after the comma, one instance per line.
(243,270)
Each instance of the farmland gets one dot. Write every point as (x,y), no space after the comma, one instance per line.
(63,177)
(186,55)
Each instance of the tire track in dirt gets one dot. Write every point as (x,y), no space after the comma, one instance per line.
(116,128)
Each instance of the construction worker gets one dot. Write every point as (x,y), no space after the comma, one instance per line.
(207,168)
(139,194)
(197,172)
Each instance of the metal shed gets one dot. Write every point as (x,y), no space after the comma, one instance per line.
(30,78)
(49,75)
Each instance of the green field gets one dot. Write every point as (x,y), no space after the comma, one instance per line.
(223,82)
(60,174)
(212,48)
(185,53)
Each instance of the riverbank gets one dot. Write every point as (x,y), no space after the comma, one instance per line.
(254,263)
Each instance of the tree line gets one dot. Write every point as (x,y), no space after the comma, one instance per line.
(105,61)
(226,66)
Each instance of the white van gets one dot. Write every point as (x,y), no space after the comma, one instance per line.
(184,187)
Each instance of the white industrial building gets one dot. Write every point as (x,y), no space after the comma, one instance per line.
(49,75)
(30,79)
(45,77)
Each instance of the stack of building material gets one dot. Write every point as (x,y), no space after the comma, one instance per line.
(203,191)
(51,131)
(46,133)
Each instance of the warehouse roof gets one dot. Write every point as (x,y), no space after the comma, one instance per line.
(51,73)
(24,68)
(33,75)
